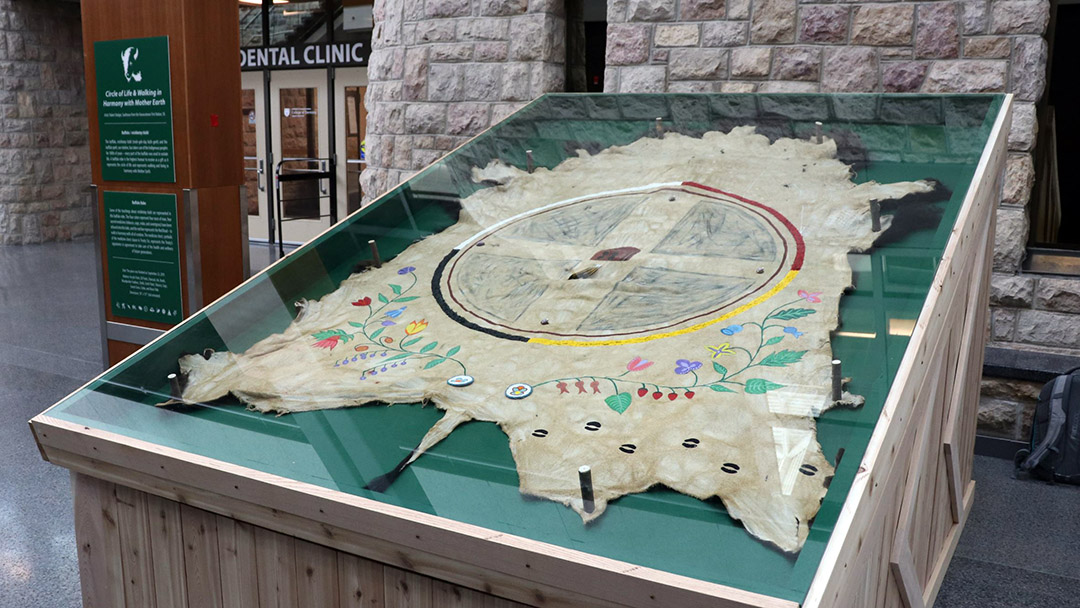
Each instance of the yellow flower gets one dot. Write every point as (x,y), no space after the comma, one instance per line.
(723,349)
(415,327)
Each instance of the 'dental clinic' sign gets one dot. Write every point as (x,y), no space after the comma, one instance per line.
(340,54)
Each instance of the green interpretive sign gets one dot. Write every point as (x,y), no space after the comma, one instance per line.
(135,109)
(142,247)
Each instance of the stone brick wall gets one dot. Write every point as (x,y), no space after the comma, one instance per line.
(445,69)
(44,158)
(442,71)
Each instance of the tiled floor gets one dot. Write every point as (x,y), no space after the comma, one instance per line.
(1021,548)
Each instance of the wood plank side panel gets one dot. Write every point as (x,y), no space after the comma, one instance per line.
(405,589)
(360,582)
(98,540)
(135,552)
(840,566)
(276,566)
(202,568)
(236,552)
(167,548)
(316,576)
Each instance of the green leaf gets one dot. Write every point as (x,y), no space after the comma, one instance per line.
(720,369)
(406,299)
(345,337)
(619,402)
(375,334)
(757,386)
(355,324)
(411,342)
(783,358)
(396,288)
(790,314)
(396,357)
(720,388)
(772,341)
(433,363)
(322,335)
(383,299)
(453,351)
(429,346)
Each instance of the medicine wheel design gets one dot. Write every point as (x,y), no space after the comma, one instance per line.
(620,267)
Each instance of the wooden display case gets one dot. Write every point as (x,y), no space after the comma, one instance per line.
(159,523)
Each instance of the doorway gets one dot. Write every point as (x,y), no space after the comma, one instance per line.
(309,175)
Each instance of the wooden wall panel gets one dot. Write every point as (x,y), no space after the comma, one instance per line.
(136,557)
(202,568)
(98,539)
(167,549)
(236,553)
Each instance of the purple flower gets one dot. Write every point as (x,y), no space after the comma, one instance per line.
(793,331)
(406,270)
(731,330)
(685,366)
(388,323)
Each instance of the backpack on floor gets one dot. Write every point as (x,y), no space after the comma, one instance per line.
(1054,454)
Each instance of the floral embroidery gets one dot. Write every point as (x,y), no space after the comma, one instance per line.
(757,354)
(390,351)
(685,366)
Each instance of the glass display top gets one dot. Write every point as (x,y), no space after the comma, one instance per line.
(643,285)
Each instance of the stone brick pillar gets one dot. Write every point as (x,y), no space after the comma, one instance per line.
(44,158)
(442,71)
(968,46)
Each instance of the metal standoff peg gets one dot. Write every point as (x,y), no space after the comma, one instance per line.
(837,381)
(174,386)
(530,164)
(585,477)
(375,253)
(659,126)
(875,216)
(817,131)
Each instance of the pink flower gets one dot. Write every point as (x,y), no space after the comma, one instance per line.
(329,343)
(813,298)
(637,364)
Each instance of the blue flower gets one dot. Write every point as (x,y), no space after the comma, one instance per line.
(731,330)
(793,331)
(406,270)
(393,314)
(685,366)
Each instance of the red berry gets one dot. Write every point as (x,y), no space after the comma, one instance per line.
(689,394)
(672,396)
(657,395)
(642,391)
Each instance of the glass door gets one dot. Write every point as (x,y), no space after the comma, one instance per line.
(302,177)
(253,105)
(350,84)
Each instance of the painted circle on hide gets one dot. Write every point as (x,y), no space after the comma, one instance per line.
(620,267)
